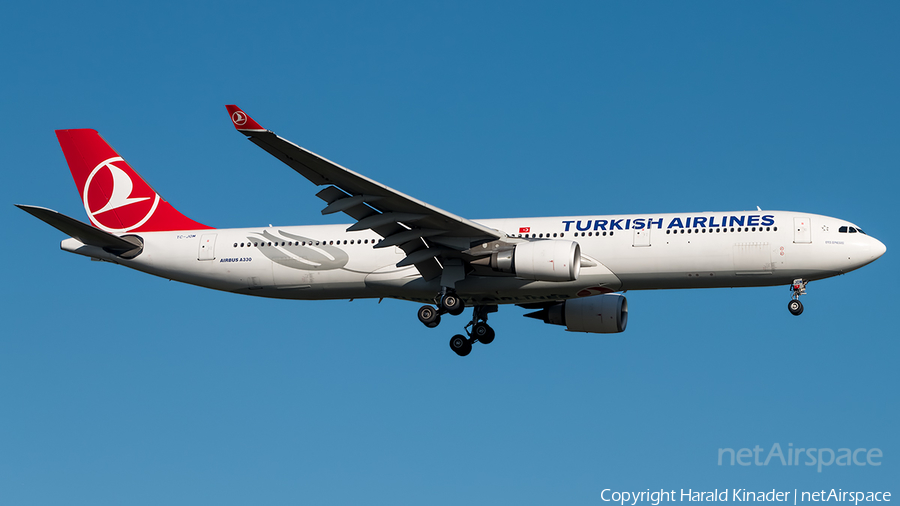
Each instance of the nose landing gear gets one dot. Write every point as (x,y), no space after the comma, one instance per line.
(798,288)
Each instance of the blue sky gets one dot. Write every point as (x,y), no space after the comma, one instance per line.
(120,388)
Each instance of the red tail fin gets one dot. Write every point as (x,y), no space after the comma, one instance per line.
(115,197)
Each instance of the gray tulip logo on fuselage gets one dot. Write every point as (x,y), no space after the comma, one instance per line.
(311,257)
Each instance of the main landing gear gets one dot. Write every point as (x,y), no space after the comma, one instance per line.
(448,302)
(451,303)
(481,331)
(798,288)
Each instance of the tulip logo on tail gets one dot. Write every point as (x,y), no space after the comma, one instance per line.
(113,190)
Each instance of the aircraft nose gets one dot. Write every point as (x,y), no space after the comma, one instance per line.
(878,249)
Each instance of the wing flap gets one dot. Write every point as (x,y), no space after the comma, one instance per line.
(348,203)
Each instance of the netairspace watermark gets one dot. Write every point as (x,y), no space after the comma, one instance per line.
(743,495)
(818,457)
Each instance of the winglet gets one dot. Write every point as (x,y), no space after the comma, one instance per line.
(241,120)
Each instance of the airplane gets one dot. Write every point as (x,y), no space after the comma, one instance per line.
(569,270)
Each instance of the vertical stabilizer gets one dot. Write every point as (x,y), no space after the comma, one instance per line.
(115,197)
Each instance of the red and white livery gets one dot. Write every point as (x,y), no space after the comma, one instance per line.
(568,270)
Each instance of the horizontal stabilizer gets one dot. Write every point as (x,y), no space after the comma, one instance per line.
(125,247)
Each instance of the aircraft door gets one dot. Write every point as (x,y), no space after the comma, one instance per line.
(207,247)
(641,237)
(802,230)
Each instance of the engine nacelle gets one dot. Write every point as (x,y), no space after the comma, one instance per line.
(600,314)
(541,260)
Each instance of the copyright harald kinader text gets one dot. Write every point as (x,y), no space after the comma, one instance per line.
(743,495)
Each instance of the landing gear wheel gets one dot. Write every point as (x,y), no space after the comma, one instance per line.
(798,288)
(460,345)
(429,316)
(483,333)
(452,304)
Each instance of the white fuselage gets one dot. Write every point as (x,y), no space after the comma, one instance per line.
(625,252)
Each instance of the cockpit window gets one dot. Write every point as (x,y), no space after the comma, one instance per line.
(851,230)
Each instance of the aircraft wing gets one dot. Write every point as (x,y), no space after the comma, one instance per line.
(424,232)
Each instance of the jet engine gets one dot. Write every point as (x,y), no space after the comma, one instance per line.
(600,314)
(540,260)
